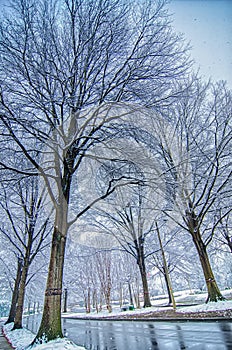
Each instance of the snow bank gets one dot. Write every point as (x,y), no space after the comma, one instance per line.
(211,306)
(20,339)
(115,312)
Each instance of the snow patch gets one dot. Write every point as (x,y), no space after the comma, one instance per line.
(211,306)
(20,339)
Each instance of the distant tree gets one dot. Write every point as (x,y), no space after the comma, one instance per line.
(197,152)
(15,292)
(65,65)
(129,219)
(26,227)
(103,267)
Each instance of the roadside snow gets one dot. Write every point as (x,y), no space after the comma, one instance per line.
(21,339)
(212,306)
(115,312)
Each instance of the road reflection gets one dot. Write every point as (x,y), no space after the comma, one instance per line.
(142,335)
(124,335)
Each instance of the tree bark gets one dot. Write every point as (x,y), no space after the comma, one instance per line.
(15,294)
(50,327)
(214,293)
(18,322)
(143,273)
(65,299)
(168,289)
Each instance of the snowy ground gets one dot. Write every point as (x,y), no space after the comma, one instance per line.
(221,305)
(183,297)
(21,339)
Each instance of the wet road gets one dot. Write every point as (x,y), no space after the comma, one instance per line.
(140,335)
(107,335)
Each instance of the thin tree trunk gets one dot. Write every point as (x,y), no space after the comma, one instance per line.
(143,273)
(137,293)
(130,294)
(89,301)
(168,290)
(166,271)
(108,293)
(65,299)
(146,296)
(142,269)
(15,294)
(120,295)
(18,322)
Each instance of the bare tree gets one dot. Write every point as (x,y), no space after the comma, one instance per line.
(197,152)
(103,265)
(27,233)
(15,292)
(129,218)
(64,65)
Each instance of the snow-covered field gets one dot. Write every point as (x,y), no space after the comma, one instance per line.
(181,297)
(21,339)
(221,305)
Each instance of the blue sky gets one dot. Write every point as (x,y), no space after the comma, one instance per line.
(207,24)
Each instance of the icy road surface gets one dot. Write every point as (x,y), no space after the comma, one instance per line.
(124,335)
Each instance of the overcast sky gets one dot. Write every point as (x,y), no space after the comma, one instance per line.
(207,24)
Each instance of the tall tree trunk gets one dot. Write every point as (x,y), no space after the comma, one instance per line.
(168,289)
(18,322)
(65,300)
(214,293)
(15,294)
(166,270)
(107,290)
(139,244)
(146,296)
(50,326)
(142,268)
(130,293)
(137,293)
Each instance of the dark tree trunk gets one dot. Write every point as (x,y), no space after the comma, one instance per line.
(168,289)
(229,241)
(18,322)
(214,293)
(146,296)
(143,272)
(15,294)
(50,326)
(65,299)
